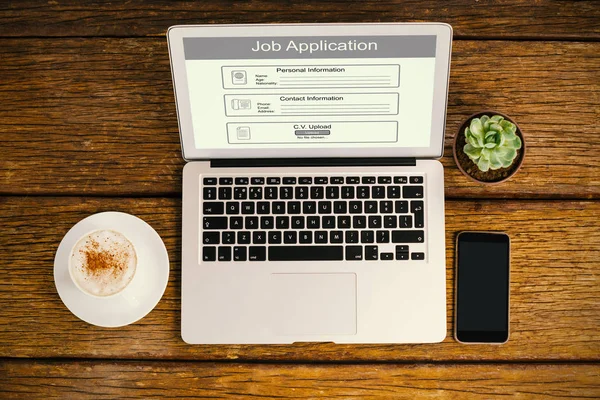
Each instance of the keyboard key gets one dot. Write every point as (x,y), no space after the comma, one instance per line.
(225,181)
(290,237)
(384,179)
(417,256)
(236,223)
(352,179)
(267,222)
(337,180)
(405,221)
(317,192)
(271,193)
(403,248)
(305,180)
(347,192)
(209,253)
(393,192)
(367,237)
(241,181)
(298,222)
(354,253)
(351,236)
(386,207)
(340,207)
(240,193)
(257,253)
(320,237)
(306,253)
(363,192)
(356,207)
(324,207)
(332,192)
(412,192)
(210,237)
(210,181)
(359,222)
(336,237)
(313,222)
(321,180)
(382,236)
(401,206)
(401,256)
(286,192)
(328,222)
(278,207)
(417,208)
(213,207)
(370,207)
(232,207)
(263,207)
(416,179)
(387,256)
(228,238)
(259,237)
(301,192)
(375,221)
(305,237)
(390,221)
(400,180)
(255,193)
(239,253)
(408,236)
(258,181)
(224,253)
(282,222)
(289,180)
(243,237)
(275,237)
(247,207)
(294,207)
(209,193)
(210,223)
(273,181)
(344,221)
(368,179)
(378,192)
(251,223)
(309,207)
(371,253)
(225,193)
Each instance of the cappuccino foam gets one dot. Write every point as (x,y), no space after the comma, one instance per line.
(103,263)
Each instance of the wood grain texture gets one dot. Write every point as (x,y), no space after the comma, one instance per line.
(97,116)
(555,288)
(169,380)
(481,19)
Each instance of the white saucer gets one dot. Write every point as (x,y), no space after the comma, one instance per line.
(144,291)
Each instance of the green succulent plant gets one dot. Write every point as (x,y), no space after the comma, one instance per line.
(491,142)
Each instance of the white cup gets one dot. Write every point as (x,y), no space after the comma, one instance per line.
(102,263)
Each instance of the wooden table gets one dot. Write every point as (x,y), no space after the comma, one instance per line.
(88,124)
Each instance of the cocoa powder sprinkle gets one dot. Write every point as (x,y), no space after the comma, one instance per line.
(101,262)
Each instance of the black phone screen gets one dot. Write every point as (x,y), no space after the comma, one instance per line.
(482,291)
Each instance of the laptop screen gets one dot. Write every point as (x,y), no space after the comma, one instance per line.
(313,92)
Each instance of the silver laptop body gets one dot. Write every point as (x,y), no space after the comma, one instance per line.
(313,201)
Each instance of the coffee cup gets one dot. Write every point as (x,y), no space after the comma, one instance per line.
(103,263)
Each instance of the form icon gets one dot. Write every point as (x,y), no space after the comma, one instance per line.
(238,77)
(243,132)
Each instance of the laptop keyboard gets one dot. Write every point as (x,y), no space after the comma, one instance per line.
(313,218)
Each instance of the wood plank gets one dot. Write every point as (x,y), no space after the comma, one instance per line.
(555,288)
(171,380)
(97,116)
(506,19)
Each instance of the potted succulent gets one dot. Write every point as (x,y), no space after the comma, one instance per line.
(489,147)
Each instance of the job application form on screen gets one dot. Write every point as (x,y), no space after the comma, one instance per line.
(328,91)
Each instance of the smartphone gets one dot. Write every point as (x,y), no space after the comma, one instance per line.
(482,287)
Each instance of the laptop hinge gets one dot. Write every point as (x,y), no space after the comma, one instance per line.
(312,162)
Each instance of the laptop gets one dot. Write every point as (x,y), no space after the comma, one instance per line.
(313,200)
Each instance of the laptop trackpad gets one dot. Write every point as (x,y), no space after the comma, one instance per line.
(314,304)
